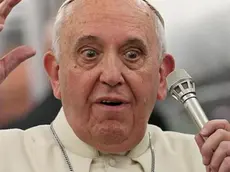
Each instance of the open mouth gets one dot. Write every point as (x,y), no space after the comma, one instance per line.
(111,103)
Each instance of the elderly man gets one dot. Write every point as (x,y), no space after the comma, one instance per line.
(108,67)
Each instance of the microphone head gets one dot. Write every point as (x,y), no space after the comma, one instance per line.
(180,85)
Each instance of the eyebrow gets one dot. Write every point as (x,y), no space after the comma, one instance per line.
(92,39)
(136,41)
(87,39)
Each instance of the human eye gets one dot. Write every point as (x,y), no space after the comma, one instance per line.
(89,53)
(132,55)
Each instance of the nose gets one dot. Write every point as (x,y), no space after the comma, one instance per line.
(111,71)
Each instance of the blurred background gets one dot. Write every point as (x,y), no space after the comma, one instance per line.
(197,34)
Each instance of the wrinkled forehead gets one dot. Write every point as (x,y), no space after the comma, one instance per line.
(67,2)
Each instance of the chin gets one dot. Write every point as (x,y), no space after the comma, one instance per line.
(111,132)
(115,139)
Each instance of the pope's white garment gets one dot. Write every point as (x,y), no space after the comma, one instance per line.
(36,150)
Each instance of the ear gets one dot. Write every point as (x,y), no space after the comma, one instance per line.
(52,69)
(167,66)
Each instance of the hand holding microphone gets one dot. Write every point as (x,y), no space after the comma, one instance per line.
(215,148)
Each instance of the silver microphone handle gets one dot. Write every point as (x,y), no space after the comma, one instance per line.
(196,112)
(182,88)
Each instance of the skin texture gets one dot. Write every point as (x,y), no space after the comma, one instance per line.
(108,54)
(214,144)
(13,93)
(11,60)
(112,68)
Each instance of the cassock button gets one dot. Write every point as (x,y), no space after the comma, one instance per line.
(112,162)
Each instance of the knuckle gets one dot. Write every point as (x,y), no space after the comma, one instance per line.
(214,166)
(205,150)
(226,162)
(225,121)
(222,121)
(221,132)
(225,145)
(219,122)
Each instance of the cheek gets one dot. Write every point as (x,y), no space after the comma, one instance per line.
(147,87)
(151,80)
(76,86)
(145,91)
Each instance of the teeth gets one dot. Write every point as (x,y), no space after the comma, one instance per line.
(107,101)
(110,102)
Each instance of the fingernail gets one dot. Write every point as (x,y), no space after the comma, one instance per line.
(204,131)
(204,160)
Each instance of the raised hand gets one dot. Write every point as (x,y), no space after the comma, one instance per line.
(11,60)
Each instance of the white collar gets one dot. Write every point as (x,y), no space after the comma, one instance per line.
(72,143)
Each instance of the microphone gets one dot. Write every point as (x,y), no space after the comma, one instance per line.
(182,88)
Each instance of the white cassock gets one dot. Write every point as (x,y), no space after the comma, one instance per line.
(37,150)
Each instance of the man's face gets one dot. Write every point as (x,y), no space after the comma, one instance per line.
(109,75)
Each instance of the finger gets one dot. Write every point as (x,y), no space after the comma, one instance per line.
(219,155)
(13,59)
(208,169)
(214,125)
(5,8)
(199,141)
(225,166)
(212,143)
(1,27)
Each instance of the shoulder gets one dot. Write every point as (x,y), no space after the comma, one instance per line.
(176,148)
(169,136)
(15,140)
(176,142)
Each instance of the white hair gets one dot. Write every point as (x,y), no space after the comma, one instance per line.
(63,12)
